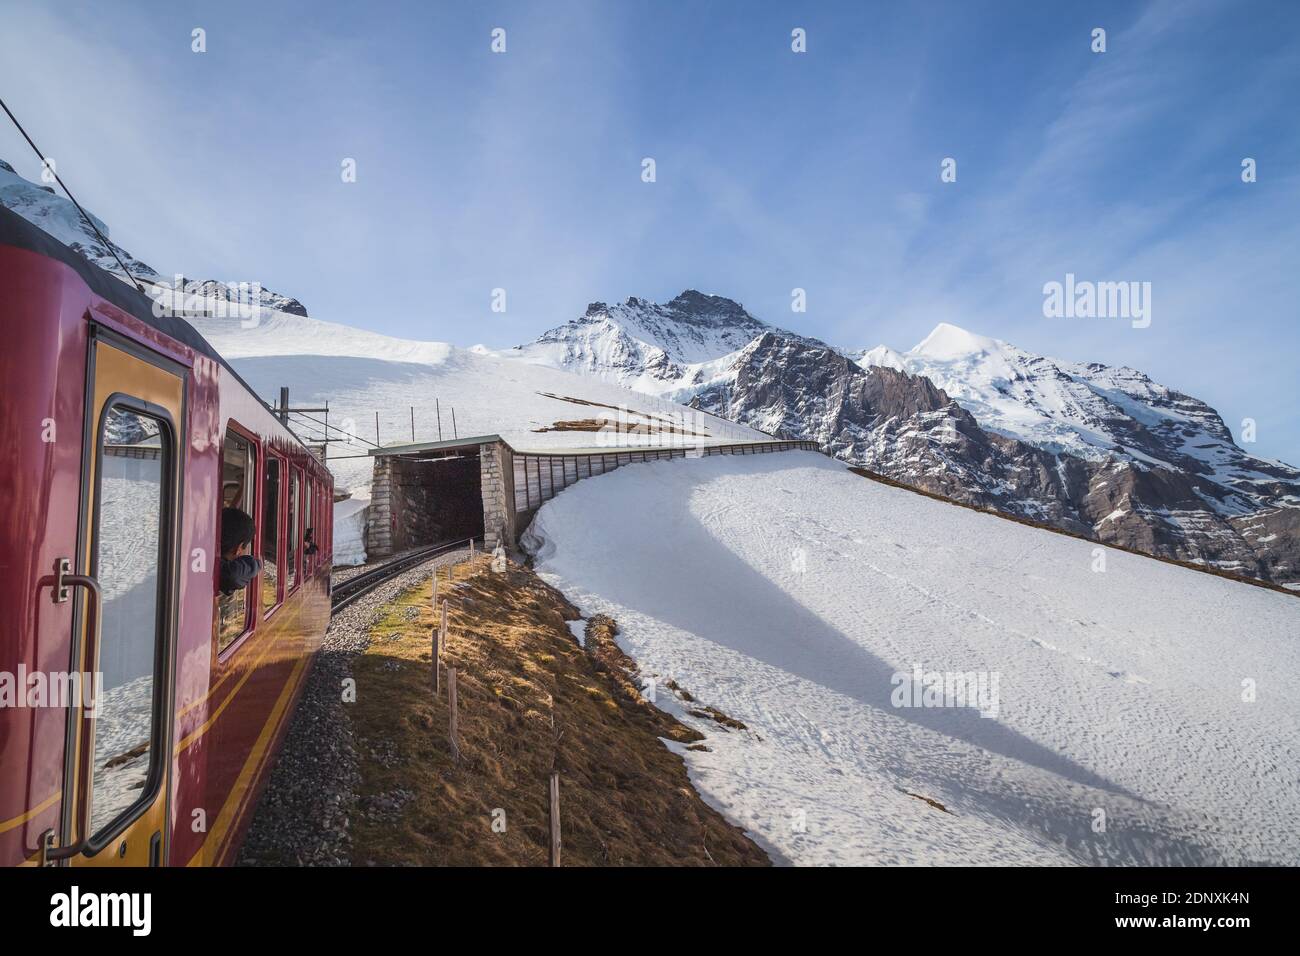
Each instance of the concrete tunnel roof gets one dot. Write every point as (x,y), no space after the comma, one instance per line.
(450,444)
(423,446)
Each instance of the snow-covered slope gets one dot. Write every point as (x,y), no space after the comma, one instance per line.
(798,599)
(361,373)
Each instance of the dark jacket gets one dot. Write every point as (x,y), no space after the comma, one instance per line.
(237,572)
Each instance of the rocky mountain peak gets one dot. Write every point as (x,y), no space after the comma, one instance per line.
(697,303)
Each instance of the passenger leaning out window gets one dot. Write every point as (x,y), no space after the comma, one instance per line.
(238,567)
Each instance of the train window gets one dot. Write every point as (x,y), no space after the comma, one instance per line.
(238,492)
(293,532)
(272,549)
(129,561)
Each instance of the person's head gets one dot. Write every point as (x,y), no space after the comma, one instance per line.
(236,532)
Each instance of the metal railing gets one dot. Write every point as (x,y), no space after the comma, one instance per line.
(540,476)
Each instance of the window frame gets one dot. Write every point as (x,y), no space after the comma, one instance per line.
(163,638)
(251,607)
(293,505)
(280,507)
(327,516)
(308,517)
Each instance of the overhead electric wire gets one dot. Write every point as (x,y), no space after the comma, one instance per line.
(45,164)
(350,437)
(306,431)
(85,215)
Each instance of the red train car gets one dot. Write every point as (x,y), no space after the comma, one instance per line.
(141,706)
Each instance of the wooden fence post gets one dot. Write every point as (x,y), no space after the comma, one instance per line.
(442,628)
(555,819)
(454,724)
(436,635)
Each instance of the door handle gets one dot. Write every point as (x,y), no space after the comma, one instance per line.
(64,582)
(52,853)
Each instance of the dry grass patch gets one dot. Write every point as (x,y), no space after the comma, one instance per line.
(932,802)
(531,701)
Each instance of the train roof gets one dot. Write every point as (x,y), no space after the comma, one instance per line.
(17,231)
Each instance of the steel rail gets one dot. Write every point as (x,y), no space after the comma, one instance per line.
(353,588)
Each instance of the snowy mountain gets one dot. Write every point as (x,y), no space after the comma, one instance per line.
(41,206)
(208,296)
(660,349)
(1099,451)
(1091,410)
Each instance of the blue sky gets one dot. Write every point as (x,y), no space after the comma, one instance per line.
(775,170)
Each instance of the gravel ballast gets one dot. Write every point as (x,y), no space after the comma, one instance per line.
(304,814)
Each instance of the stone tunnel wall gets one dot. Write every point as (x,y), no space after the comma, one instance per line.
(417,502)
(497,483)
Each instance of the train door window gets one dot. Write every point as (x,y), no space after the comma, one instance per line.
(272,545)
(293,532)
(326,522)
(135,451)
(322,525)
(309,528)
(318,529)
(322,522)
(238,495)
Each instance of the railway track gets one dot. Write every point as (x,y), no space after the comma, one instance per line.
(353,588)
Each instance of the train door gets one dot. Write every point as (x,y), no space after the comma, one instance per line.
(119,747)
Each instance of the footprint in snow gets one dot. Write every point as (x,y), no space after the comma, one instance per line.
(1128,677)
